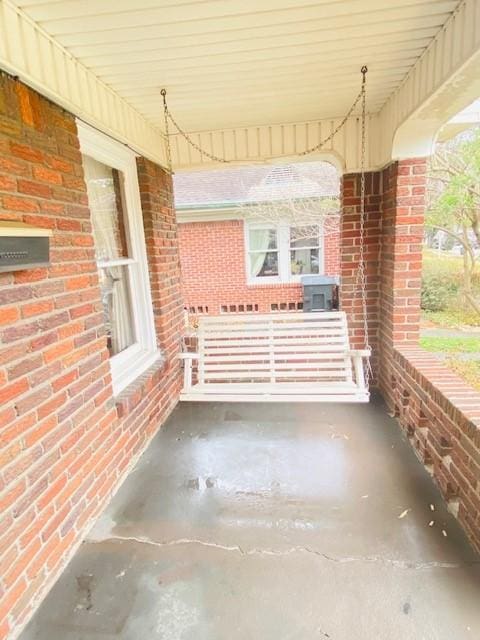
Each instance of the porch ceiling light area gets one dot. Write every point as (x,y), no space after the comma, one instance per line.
(241,63)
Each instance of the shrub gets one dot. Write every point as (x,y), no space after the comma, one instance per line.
(438,291)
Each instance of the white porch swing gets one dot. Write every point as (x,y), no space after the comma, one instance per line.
(281,357)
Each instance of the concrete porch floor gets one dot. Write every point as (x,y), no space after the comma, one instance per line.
(271,522)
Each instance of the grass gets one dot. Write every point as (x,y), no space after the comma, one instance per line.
(469,370)
(442,274)
(452,318)
(451,345)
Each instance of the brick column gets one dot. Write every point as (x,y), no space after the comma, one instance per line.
(350,300)
(156,192)
(401,260)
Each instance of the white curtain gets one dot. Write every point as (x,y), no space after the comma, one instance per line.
(259,241)
(120,318)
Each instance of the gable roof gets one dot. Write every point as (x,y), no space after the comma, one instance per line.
(255,183)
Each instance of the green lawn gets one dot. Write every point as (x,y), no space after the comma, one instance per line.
(451,345)
(469,370)
(452,318)
(442,274)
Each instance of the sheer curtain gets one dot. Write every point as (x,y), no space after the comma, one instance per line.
(105,201)
(120,317)
(259,242)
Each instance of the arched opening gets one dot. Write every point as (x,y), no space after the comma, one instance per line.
(451,255)
(249,235)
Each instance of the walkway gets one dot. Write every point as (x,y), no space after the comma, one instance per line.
(271,522)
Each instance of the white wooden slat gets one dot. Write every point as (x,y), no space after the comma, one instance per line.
(281,387)
(337,321)
(251,332)
(277,366)
(278,341)
(294,374)
(276,333)
(299,317)
(294,388)
(326,347)
(352,397)
(289,319)
(282,353)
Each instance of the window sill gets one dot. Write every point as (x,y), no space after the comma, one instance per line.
(132,395)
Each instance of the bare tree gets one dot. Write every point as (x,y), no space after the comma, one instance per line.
(305,215)
(454,201)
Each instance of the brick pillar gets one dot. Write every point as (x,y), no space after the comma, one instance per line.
(159,221)
(401,260)
(350,300)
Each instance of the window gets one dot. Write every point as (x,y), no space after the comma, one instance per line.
(114,201)
(283,253)
(263,252)
(304,250)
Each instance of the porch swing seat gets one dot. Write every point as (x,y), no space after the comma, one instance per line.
(281,357)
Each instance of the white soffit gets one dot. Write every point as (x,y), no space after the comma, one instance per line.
(238,63)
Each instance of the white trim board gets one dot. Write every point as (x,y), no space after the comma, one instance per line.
(130,363)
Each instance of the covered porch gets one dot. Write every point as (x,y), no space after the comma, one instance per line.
(260,520)
(272,521)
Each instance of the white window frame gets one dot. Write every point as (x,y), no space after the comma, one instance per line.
(283,247)
(130,363)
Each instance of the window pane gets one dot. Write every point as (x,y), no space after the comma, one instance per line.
(262,239)
(264,264)
(307,236)
(106,201)
(115,291)
(304,261)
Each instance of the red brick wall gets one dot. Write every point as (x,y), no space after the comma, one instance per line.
(214,273)
(350,292)
(440,415)
(393,257)
(401,258)
(439,412)
(65,442)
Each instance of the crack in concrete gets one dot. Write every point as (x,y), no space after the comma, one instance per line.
(400,564)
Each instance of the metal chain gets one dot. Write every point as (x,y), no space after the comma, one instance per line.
(163,93)
(321,144)
(361,280)
(214,158)
(184,134)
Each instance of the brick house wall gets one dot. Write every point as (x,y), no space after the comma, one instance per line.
(65,442)
(214,274)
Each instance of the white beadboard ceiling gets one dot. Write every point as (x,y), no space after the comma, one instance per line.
(235,63)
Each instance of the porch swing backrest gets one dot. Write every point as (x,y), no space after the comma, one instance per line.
(280,357)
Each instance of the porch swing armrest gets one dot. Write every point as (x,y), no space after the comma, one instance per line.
(188,357)
(359,353)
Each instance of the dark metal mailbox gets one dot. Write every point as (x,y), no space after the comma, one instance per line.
(320,293)
(23,246)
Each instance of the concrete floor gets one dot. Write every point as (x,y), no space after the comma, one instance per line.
(271,522)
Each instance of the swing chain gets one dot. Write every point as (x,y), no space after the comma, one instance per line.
(361,280)
(184,134)
(211,156)
(330,137)
(163,93)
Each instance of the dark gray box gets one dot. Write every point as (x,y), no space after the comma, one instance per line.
(23,246)
(320,293)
